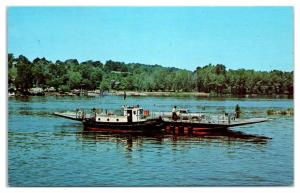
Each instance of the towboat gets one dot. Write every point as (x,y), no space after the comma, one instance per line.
(132,118)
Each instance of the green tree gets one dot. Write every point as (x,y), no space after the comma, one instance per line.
(40,71)
(11,60)
(74,79)
(12,74)
(104,86)
(24,75)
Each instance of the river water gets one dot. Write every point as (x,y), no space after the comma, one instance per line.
(44,150)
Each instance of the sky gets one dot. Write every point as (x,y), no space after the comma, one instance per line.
(259,38)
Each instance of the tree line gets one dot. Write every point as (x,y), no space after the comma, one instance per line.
(66,75)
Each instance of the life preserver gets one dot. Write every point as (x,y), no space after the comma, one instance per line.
(196,118)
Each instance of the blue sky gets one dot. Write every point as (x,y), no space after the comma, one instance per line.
(259,38)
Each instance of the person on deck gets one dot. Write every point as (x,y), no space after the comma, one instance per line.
(237,111)
(174,114)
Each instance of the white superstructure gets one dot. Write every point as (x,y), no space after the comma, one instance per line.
(130,114)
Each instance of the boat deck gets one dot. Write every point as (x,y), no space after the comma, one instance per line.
(70,115)
(203,121)
(214,122)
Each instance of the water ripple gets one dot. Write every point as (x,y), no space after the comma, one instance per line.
(48,151)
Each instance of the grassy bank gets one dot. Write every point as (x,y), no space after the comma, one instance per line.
(194,94)
(172,94)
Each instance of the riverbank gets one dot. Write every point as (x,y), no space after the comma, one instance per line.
(172,94)
(193,94)
(153,94)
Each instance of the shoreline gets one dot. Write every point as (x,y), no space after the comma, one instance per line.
(157,94)
(160,93)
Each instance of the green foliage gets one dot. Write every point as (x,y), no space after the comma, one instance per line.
(24,76)
(40,72)
(104,86)
(74,79)
(12,74)
(90,75)
(115,66)
(64,88)
(289,111)
(241,82)
(11,60)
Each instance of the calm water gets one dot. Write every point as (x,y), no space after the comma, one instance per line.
(44,150)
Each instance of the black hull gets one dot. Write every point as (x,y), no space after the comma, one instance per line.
(152,125)
(203,126)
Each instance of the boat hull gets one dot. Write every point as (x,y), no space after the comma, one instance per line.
(151,125)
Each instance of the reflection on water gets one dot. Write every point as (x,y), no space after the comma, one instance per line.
(226,137)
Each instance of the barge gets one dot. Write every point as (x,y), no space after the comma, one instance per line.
(184,120)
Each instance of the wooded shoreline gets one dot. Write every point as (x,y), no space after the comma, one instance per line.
(142,79)
(154,94)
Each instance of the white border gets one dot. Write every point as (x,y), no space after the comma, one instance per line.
(3,84)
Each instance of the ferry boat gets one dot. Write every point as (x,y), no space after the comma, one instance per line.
(136,119)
